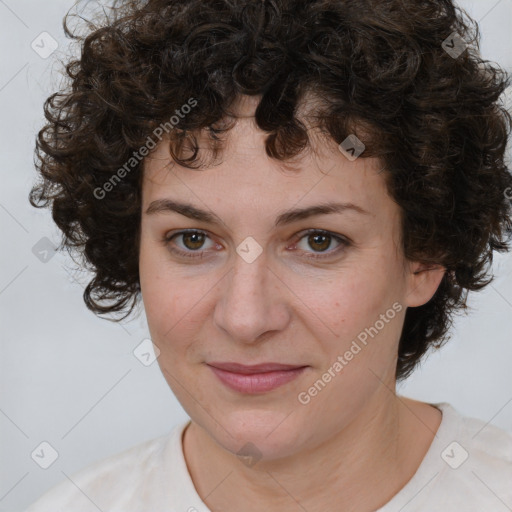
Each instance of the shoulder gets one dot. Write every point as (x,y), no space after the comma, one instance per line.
(489,452)
(467,467)
(122,482)
(476,469)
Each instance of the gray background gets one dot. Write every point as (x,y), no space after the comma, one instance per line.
(72,380)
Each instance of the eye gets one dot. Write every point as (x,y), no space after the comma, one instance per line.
(320,241)
(192,242)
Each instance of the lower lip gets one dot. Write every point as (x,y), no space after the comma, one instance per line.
(256,382)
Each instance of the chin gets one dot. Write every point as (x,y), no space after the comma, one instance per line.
(268,434)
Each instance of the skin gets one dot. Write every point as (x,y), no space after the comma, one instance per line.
(354,435)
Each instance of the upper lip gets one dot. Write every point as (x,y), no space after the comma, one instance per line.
(255,368)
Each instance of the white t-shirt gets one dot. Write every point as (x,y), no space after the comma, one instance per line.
(468,467)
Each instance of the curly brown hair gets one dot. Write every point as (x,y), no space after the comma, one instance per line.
(433,118)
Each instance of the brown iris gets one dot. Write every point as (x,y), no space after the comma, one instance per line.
(197,240)
(314,239)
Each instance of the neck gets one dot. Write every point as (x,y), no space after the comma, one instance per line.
(380,450)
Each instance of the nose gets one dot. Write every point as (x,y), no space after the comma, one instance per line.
(252,301)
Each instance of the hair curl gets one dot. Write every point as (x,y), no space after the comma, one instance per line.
(434,121)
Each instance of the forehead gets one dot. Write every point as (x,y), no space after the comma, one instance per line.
(246,173)
(247,178)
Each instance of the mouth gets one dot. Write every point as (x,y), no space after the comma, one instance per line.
(253,379)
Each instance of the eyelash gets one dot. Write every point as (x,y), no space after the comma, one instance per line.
(344,243)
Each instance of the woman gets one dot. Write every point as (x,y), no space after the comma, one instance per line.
(302,194)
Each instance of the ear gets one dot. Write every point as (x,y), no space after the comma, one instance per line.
(422,282)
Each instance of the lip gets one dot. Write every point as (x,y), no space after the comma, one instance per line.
(254,368)
(253,379)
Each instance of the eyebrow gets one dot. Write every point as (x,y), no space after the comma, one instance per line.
(286,217)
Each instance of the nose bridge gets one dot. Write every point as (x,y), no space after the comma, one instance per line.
(248,305)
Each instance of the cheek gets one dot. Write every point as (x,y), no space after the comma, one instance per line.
(160,293)
(349,307)
(152,288)
(348,301)
(360,348)
(171,311)
(174,303)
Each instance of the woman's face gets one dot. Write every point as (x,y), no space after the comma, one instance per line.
(246,289)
